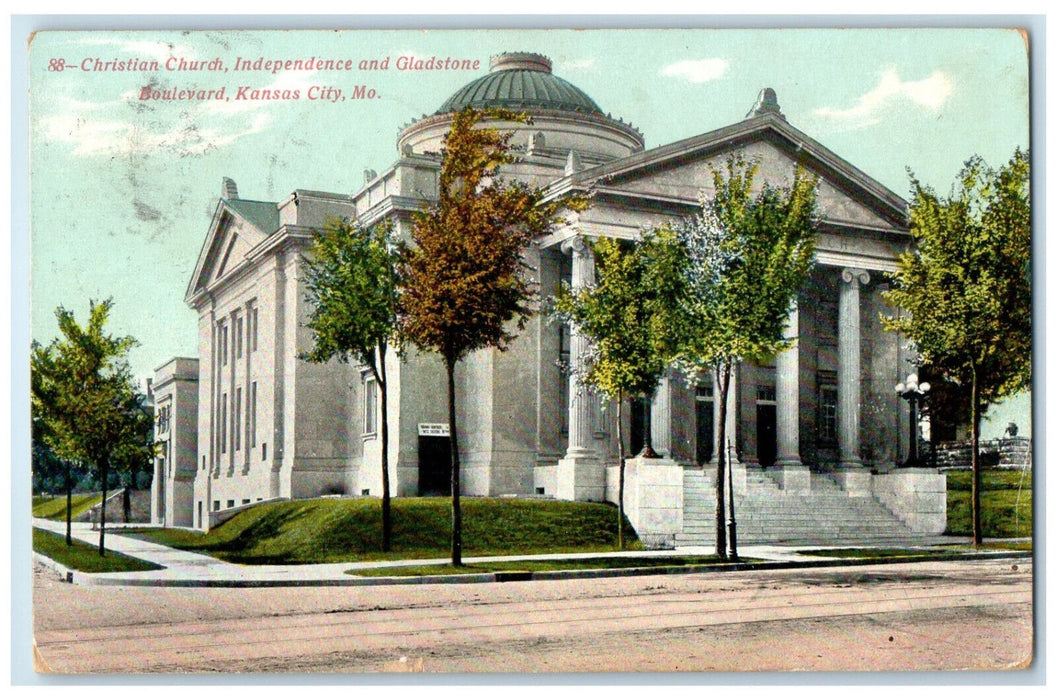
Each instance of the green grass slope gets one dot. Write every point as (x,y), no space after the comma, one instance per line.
(54,507)
(85,557)
(1005,503)
(337,530)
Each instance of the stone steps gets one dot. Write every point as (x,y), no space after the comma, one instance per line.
(767,514)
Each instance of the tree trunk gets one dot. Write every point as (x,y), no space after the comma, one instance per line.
(104,468)
(126,500)
(387,522)
(723,379)
(69,504)
(978,535)
(620,447)
(456,508)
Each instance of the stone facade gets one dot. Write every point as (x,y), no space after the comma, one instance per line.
(272,426)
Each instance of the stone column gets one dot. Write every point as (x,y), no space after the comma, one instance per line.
(795,476)
(849,368)
(581,475)
(661,418)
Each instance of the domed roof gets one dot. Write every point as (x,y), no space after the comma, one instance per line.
(521,81)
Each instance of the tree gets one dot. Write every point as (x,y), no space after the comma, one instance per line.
(352,286)
(626,317)
(84,395)
(465,286)
(747,255)
(965,288)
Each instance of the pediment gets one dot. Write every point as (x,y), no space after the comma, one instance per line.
(236,229)
(681,173)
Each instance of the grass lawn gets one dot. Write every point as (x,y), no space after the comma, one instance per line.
(85,557)
(1005,503)
(531,565)
(871,552)
(329,530)
(54,507)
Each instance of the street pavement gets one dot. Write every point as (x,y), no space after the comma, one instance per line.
(182,568)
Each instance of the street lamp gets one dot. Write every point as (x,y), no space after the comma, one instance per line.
(913,393)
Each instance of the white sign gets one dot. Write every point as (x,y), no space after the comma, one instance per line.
(436,429)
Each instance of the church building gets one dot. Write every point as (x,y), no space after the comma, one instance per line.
(819,429)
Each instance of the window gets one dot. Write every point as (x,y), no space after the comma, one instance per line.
(245,501)
(222,342)
(238,336)
(216,505)
(827,419)
(253,329)
(223,423)
(264,451)
(231,503)
(765,394)
(370,406)
(251,428)
(237,432)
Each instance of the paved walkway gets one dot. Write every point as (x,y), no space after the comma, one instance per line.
(191,569)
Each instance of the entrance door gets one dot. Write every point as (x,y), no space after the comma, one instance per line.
(766,434)
(434,465)
(705,429)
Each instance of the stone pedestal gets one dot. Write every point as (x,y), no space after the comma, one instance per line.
(918,496)
(795,478)
(855,480)
(580,479)
(653,498)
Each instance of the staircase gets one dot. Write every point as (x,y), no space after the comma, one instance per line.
(766,514)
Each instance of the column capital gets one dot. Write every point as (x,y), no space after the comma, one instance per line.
(853,275)
(576,244)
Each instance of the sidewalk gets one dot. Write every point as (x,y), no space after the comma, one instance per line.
(197,570)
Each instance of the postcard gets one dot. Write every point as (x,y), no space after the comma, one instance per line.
(323,362)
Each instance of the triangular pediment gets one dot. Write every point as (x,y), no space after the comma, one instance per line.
(238,226)
(679,174)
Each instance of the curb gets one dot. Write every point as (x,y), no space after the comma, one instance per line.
(516,576)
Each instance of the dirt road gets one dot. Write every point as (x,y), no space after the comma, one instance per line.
(927,616)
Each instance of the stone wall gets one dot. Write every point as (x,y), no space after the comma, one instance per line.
(1002,453)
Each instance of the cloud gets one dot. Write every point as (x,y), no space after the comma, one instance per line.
(700,71)
(200,128)
(931,93)
(94,137)
(580,63)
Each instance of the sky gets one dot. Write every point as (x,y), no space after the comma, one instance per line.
(122,190)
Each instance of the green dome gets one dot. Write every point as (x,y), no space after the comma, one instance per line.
(521,81)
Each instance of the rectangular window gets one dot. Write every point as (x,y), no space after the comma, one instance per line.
(223,336)
(245,501)
(223,423)
(238,336)
(251,437)
(370,406)
(231,503)
(264,451)
(216,505)
(827,419)
(765,394)
(253,329)
(237,432)
(203,465)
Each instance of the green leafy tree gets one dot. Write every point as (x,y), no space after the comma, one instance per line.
(86,400)
(465,286)
(965,287)
(352,286)
(747,255)
(627,318)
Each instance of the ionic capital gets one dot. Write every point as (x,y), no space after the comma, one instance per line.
(854,275)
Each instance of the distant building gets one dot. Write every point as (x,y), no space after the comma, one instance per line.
(822,416)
